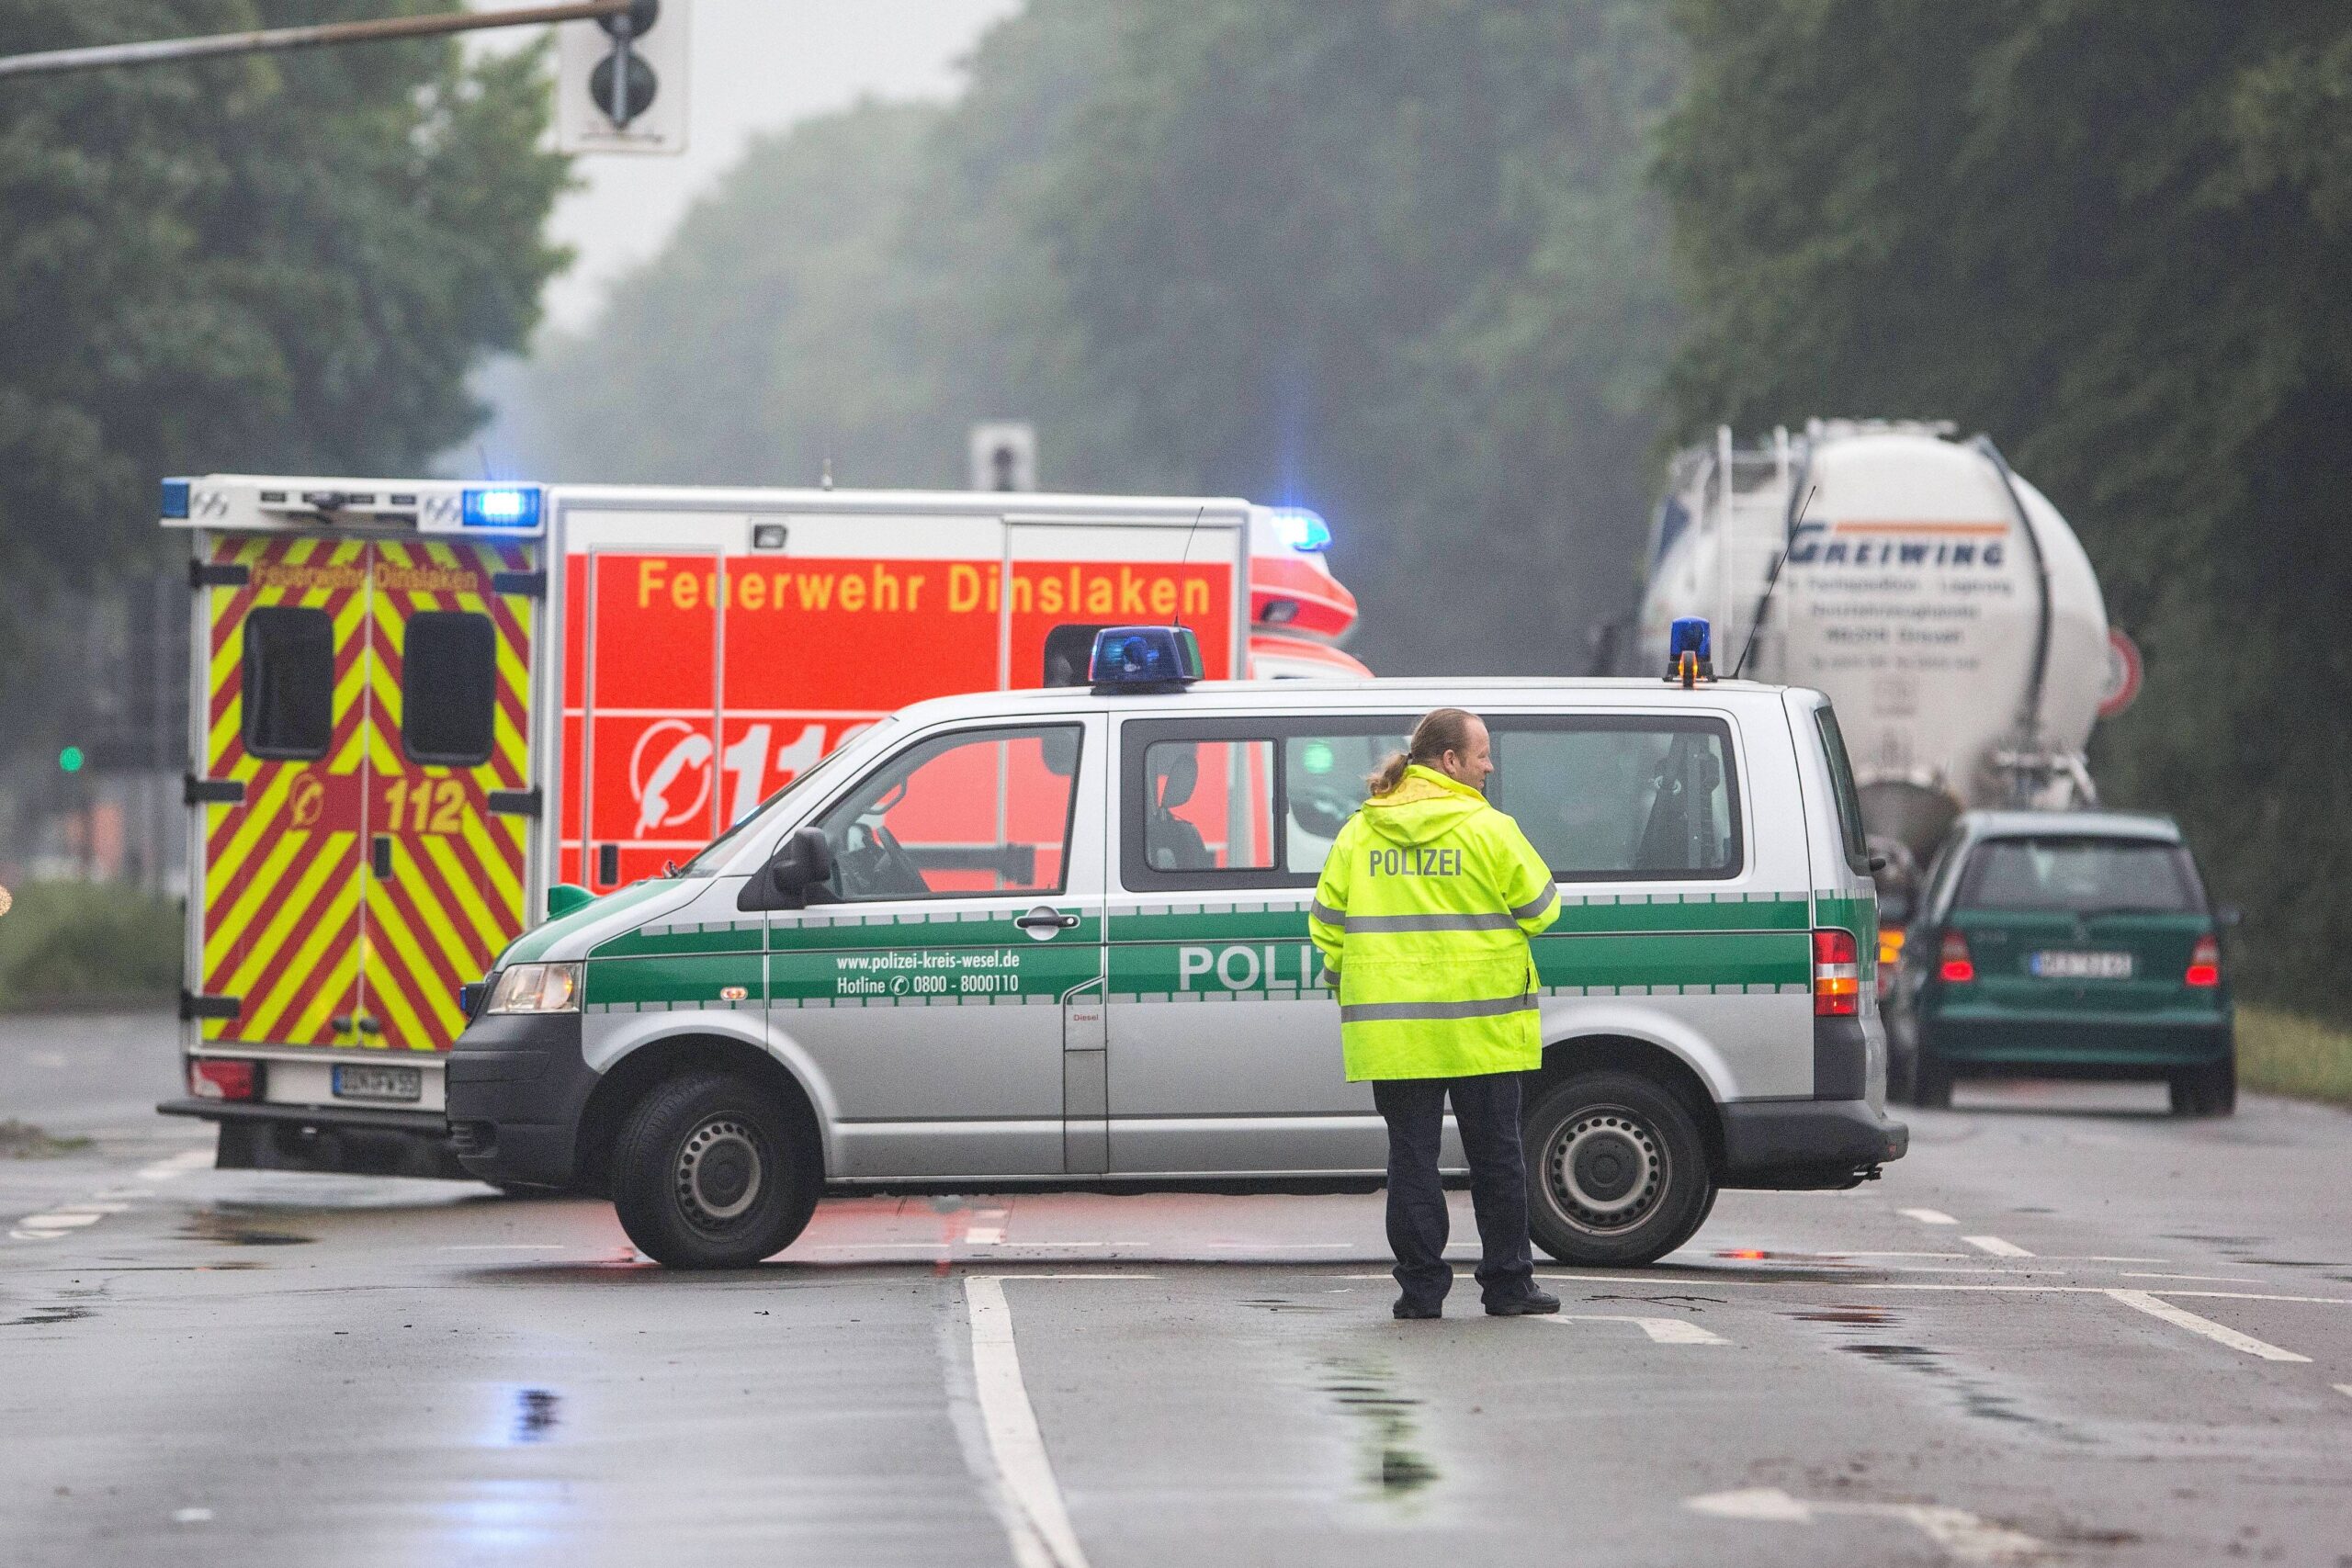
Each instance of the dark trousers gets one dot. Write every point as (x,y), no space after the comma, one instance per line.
(1486,1110)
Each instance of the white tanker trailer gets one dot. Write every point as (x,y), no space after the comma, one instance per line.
(1937,599)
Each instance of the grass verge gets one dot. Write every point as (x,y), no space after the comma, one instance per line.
(2283,1053)
(79,943)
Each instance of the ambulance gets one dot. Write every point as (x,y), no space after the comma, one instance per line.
(1118,989)
(428,713)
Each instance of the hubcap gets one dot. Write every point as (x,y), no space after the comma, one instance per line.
(719,1173)
(1606,1169)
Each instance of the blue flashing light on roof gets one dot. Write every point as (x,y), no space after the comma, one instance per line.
(1689,652)
(1302,529)
(1145,659)
(500,506)
(176,498)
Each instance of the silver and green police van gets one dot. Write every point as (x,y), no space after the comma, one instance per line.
(1058,939)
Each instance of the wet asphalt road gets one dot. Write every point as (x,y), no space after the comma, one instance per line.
(2067,1329)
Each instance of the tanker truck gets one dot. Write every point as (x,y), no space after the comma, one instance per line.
(1937,597)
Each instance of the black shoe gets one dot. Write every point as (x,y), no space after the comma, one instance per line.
(1534,1304)
(1405,1308)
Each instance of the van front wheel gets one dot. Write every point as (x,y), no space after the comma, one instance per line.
(708,1173)
(1617,1173)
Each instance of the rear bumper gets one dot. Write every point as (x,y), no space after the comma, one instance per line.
(346,1140)
(518,1086)
(1807,1143)
(2092,1047)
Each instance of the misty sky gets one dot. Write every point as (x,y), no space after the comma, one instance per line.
(757,65)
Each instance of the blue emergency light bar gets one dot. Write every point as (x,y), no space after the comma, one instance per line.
(1145,659)
(1302,529)
(500,506)
(1689,651)
(176,498)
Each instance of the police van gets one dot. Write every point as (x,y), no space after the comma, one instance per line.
(1114,985)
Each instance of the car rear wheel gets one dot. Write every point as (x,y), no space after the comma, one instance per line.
(711,1172)
(1930,1082)
(2210,1090)
(1617,1173)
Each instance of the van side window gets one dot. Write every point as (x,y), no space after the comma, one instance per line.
(448,687)
(1841,785)
(972,813)
(288,694)
(1242,803)
(1211,805)
(1622,798)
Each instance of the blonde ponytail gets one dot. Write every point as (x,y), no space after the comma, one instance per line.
(1440,731)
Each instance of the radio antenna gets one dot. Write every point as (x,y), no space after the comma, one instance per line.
(1177,618)
(1772,581)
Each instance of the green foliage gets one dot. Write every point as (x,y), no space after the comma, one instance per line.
(276,263)
(88,941)
(1394,261)
(2282,1052)
(2114,234)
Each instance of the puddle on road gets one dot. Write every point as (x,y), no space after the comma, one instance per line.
(1390,1465)
(211,1225)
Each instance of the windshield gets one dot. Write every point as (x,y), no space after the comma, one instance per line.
(706,864)
(2082,877)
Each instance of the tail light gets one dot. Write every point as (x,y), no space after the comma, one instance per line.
(2205,962)
(215,1078)
(1954,965)
(1836,975)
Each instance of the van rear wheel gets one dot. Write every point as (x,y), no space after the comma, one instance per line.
(708,1173)
(1617,1173)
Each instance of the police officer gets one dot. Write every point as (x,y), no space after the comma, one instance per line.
(1422,916)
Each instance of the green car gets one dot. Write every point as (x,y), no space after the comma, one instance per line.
(2064,944)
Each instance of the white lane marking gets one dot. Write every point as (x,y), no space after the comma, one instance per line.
(192,1515)
(1997,1247)
(1037,1520)
(58,1220)
(2181,1317)
(2208,1279)
(1967,1538)
(2343,1388)
(1928,1216)
(177,1166)
(1661,1330)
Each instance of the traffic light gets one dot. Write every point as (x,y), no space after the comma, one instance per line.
(621,81)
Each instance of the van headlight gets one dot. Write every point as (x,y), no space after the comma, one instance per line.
(537,987)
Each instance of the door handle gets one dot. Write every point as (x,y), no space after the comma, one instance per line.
(382,857)
(1045,916)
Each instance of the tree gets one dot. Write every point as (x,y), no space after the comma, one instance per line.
(2112,234)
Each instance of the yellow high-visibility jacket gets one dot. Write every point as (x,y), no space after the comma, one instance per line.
(1422,914)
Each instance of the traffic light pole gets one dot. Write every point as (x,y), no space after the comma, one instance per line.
(270,39)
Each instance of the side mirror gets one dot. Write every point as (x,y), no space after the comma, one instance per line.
(802,862)
(2227,915)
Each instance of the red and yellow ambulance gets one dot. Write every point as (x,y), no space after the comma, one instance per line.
(420,707)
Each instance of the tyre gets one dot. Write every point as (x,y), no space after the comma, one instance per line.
(2211,1091)
(1930,1082)
(711,1172)
(1902,1075)
(1617,1173)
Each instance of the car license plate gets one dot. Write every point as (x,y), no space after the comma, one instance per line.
(380,1083)
(2083,965)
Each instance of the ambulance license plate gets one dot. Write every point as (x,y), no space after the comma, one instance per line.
(2083,965)
(380,1083)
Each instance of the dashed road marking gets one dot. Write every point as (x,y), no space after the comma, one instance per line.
(1997,1247)
(2343,1388)
(1661,1330)
(177,1166)
(1928,1216)
(2183,1319)
(1967,1538)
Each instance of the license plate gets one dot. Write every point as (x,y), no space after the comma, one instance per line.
(2083,965)
(380,1083)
